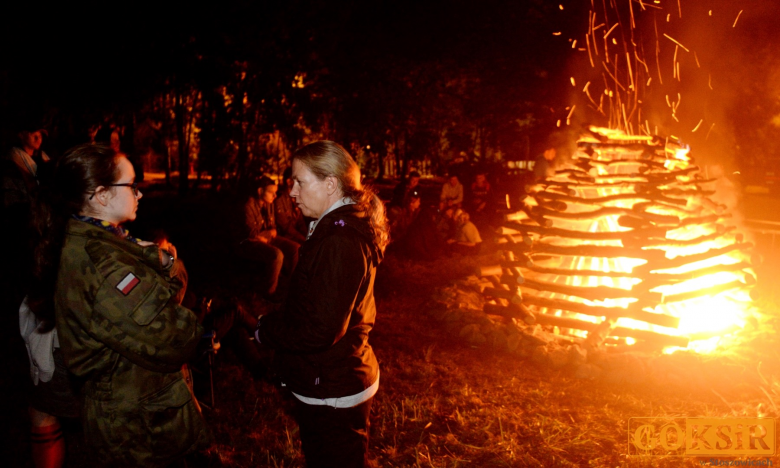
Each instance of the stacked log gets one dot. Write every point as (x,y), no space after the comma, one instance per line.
(627,235)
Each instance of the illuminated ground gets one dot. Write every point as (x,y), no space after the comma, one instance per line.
(444,403)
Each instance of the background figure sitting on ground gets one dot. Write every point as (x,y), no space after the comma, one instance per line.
(479,197)
(22,164)
(289,219)
(414,233)
(467,240)
(402,191)
(558,150)
(262,244)
(451,193)
(402,217)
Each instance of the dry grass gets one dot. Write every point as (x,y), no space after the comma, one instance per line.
(445,404)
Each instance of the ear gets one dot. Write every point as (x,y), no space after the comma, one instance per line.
(102,195)
(331,185)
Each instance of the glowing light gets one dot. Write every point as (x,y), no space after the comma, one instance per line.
(737,19)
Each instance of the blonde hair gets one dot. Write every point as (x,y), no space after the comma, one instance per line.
(326,158)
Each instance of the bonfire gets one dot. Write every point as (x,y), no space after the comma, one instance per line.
(625,247)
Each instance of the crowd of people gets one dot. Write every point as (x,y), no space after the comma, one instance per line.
(451,226)
(109,327)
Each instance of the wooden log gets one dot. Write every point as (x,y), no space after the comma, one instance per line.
(508,294)
(514,311)
(517,248)
(711,290)
(694,220)
(593,293)
(642,207)
(511,227)
(690,193)
(634,223)
(632,312)
(491,270)
(646,163)
(539,219)
(663,242)
(565,322)
(657,177)
(601,251)
(607,211)
(610,198)
(552,205)
(676,262)
(658,338)
(579,273)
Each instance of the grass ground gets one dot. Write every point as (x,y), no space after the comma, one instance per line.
(443,403)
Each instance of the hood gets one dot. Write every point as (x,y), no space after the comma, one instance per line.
(350,217)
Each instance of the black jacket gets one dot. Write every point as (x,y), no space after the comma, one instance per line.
(321,333)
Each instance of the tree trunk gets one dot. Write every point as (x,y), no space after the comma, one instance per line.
(184,150)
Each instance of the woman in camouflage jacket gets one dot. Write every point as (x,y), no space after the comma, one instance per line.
(118,316)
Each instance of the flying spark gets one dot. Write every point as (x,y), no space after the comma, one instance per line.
(737,19)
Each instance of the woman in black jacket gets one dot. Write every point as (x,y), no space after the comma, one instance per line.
(321,334)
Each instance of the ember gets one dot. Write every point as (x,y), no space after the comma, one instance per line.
(625,246)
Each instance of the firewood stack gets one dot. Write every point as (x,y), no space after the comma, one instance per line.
(617,246)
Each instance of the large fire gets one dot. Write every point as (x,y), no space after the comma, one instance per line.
(628,243)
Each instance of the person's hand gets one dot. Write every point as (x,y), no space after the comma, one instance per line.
(144,243)
(166,245)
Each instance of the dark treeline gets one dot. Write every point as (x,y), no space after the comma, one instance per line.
(230,89)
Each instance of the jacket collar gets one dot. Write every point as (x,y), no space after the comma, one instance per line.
(348,217)
(338,204)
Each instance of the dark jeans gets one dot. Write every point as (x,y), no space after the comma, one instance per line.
(334,437)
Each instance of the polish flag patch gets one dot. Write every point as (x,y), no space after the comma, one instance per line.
(128,283)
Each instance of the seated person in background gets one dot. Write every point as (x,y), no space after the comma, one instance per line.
(21,174)
(467,240)
(414,231)
(289,219)
(262,243)
(558,150)
(445,224)
(402,218)
(480,191)
(451,194)
(405,188)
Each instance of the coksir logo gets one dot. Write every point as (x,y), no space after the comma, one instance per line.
(699,437)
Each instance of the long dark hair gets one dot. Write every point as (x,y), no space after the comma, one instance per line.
(79,172)
(326,158)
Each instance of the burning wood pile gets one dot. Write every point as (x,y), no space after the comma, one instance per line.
(624,247)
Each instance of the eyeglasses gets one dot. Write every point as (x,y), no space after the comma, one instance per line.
(133,186)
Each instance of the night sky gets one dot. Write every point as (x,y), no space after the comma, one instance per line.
(89,59)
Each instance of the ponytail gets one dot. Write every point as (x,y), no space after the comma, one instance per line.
(78,173)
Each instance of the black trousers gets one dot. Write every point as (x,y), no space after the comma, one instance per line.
(334,437)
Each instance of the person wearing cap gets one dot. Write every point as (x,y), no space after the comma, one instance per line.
(289,219)
(262,242)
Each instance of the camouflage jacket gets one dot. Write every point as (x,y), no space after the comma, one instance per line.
(122,328)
